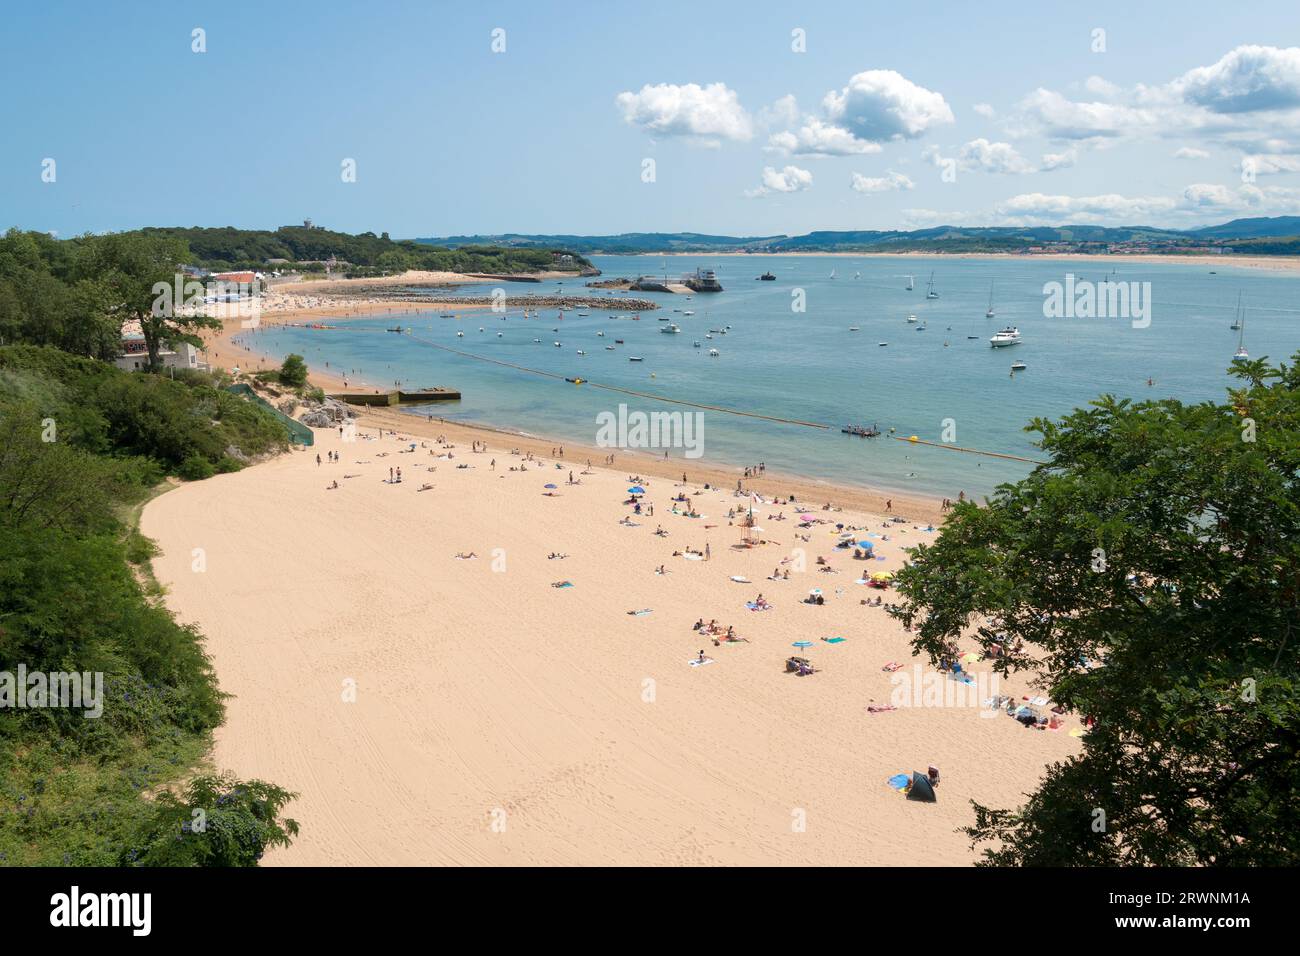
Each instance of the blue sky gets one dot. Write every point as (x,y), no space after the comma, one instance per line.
(893,116)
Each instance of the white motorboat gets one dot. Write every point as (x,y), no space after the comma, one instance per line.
(1004,337)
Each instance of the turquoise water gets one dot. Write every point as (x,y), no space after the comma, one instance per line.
(809,366)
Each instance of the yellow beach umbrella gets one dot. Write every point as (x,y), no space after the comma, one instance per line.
(883,576)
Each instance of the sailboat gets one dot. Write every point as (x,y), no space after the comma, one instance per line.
(989,313)
(929,292)
(832,273)
(1236,320)
(1241,355)
(911,284)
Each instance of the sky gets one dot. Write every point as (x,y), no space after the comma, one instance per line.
(754,118)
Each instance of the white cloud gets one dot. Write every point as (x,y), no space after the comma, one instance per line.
(791,179)
(981,155)
(1098,86)
(1244,80)
(881,105)
(817,138)
(1061,118)
(691,110)
(1266,164)
(1110,208)
(891,182)
(1063,160)
(983,109)
(1191,152)
(782,112)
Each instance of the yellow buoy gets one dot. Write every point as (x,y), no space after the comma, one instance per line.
(911,438)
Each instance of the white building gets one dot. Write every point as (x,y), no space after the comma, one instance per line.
(134,355)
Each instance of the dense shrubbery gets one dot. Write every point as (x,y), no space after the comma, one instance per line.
(81,444)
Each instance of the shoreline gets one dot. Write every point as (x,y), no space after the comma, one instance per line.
(1267,263)
(722,474)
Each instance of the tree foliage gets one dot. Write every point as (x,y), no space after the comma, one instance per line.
(1149,576)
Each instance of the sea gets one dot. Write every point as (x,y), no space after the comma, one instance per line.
(787,349)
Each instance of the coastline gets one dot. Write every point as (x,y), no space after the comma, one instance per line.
(1268,263)
(724,475)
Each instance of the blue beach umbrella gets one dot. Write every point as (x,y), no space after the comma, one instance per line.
(802,644)
(866,544)
(549,486)
(636,490)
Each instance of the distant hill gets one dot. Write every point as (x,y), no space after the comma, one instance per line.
(625,242)
(1261,227)
(1242,234)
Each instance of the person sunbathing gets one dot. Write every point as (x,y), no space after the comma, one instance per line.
(425,487)
(462,556)
(555,555)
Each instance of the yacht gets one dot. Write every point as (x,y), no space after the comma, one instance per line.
(1018,366)
(911,318)
(1004,337)
(671,329)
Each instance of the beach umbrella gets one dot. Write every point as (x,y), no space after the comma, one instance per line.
(867,545)
(636,490)
(550,486)
(883,576)
(802,644)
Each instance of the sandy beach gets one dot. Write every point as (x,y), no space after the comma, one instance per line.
(433,710)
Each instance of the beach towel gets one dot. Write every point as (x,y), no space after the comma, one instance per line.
(693,557)
(833,640)
(1038,701)
(644,610)
(880,708)
(696,662)
(892,666)
(757,607)
(740,579)
(562,584)
(899,780)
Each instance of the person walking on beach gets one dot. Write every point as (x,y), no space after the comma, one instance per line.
(708,552)
(318,461)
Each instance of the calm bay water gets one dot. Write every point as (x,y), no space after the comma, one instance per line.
(809,366)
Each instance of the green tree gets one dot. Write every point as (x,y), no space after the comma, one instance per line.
(1149,577)
(293,371)
(143,272)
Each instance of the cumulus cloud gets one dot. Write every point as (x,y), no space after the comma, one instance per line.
(690,110)
(783,112)
(890,182)
(1245,80)
(983,109)
(817,138)
(1248,97)
(1191,152)
(980,154)
(1266,164)
(875,107)
(1063,160)
(791,179)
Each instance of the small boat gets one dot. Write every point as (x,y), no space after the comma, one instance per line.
(618,341)
(972,336)
(767,277)
(989,313)
(853,328)
(600,335)
(1018,366)
(610,348)
(861,431)
(832,273)
(481,329)
(911,283)
(536,340)
(688,312)
(671,329)
(452,315)
(583,315)
(929,292)
(911,318)
(459,335)
(398,329)
(499,334)
(576,381)
(695,344)
(882,344)
(635,358)
(581,352)
(1241,355)
(1004,337)
(713,353)
(556,344)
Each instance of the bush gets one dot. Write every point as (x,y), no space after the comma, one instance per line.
(196,468)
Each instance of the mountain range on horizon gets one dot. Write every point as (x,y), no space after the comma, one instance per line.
(1277,235)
